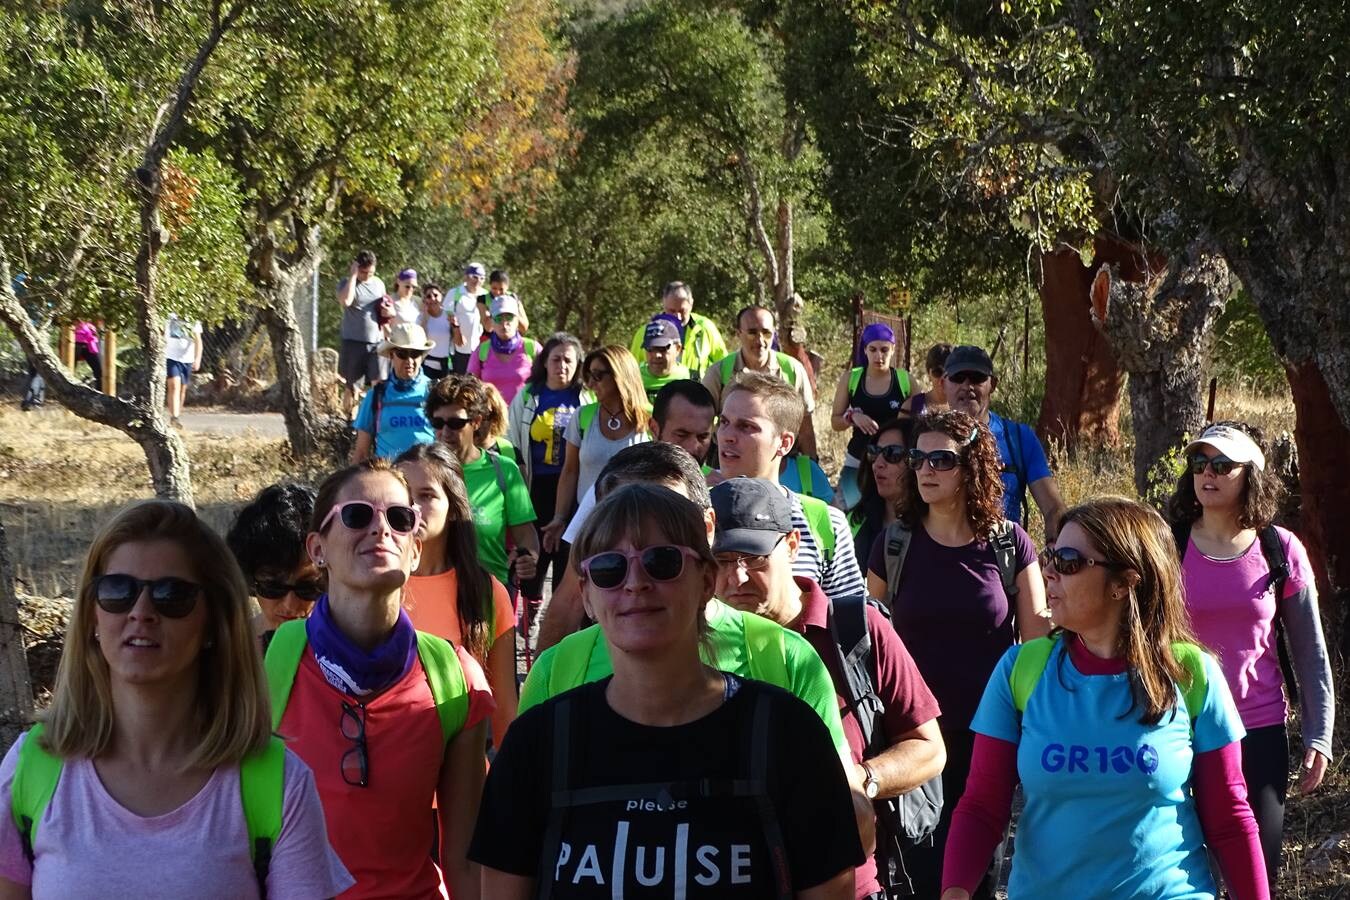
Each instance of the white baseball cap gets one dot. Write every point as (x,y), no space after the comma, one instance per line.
(506,304)
(1233,443)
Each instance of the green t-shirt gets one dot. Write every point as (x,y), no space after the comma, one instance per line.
(493,513)
(654,383)
(808,678)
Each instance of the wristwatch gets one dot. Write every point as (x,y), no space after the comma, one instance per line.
(871,787)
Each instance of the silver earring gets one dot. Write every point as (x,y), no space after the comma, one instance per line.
(319,563)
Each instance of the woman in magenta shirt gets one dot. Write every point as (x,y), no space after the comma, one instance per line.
(1221,512)
(505,358)
(159,699)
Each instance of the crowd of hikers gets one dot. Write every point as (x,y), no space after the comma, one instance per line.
(746,681)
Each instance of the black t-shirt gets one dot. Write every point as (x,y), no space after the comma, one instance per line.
(881,409)
(673,829)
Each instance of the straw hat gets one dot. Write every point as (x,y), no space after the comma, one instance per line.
(406,336)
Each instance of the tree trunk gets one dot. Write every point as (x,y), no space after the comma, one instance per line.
(1159,327)
(16,687)
(1082,379)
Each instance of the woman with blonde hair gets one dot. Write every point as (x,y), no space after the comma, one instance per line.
(158,741)
(1121,729)
(618,418)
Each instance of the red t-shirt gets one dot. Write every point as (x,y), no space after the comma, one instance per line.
(907,701)
(383,832)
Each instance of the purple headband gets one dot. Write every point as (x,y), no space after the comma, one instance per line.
(407,275)
(877,331)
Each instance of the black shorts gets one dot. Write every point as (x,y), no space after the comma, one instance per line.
(358,360)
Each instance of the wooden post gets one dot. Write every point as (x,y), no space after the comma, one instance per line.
(66,347)
(109,360)
(1213,395)
(909,334)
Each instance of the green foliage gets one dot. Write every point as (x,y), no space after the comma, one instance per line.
(1243,357)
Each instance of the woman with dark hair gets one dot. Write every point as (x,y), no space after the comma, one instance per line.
(390,719)
(539,416)
(669,774)
(617,419)
(1248,586)
(458,407)
(868,394)
(451,594)
(951,542)
(267,539)
(935,398)
(154,771)
(1121,730)
(880,481)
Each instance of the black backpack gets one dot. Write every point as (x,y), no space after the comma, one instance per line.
(1002,542)
(1278,564)
(911,818)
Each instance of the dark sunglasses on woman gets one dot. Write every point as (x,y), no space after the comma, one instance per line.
(358,514)
(1068,561)
(894,454)
(609,570)
(173,598)
(940,460)
(276,590)
(1219,465)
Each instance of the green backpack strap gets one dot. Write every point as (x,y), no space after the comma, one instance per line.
(902,382)
(572,660)
(1027,668)
(531,348)
(1192,659)
(483,349)
(817,514)
(855,379)
(281,663)
(727,368)
(585,416)
(804,474)
(449,691)
(35,778)
(765,652)
(262,782)
(785,366)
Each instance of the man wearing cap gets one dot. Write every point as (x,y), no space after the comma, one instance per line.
(499,282)
(700,342)
(662,345)
(360,294)
(969,381)
(391,418)
(505,358)
(467,327)
(755,332)
(755,543)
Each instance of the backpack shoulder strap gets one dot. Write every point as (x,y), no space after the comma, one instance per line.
(585,416)
(727,368)
(531,348)
(1028,668)
(817,514)
(495,457)
(377,406)
(281,663)
(1004,544)
(785,365)
(897,546)
(854,379)
(848,629)
(35,779)
(760,739)
(483,349)
(765,650)
(1276,561)
(1192,659)
(262,783)
(571,660)
(804,474)
(449,691)
(902,382)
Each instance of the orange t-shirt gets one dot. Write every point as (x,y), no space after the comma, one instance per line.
(431,604)
(384,832)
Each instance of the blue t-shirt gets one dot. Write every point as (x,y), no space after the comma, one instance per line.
(552,412)
(1023,459)
(402,423)
(791,479)
(1109,811)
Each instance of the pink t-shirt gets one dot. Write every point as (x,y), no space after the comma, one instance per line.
(1233,613)
(89,845)
(505,374)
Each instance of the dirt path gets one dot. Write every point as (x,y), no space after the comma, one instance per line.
(223,421)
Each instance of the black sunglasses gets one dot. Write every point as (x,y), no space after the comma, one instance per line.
(1220,465)
(277,590)
(437,423)
(173,598)
(408,354)
(1068,561)
(940,460)
(893,453)
(356,761)
(608,570)
(358,514)
(968,378)
(595,375)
